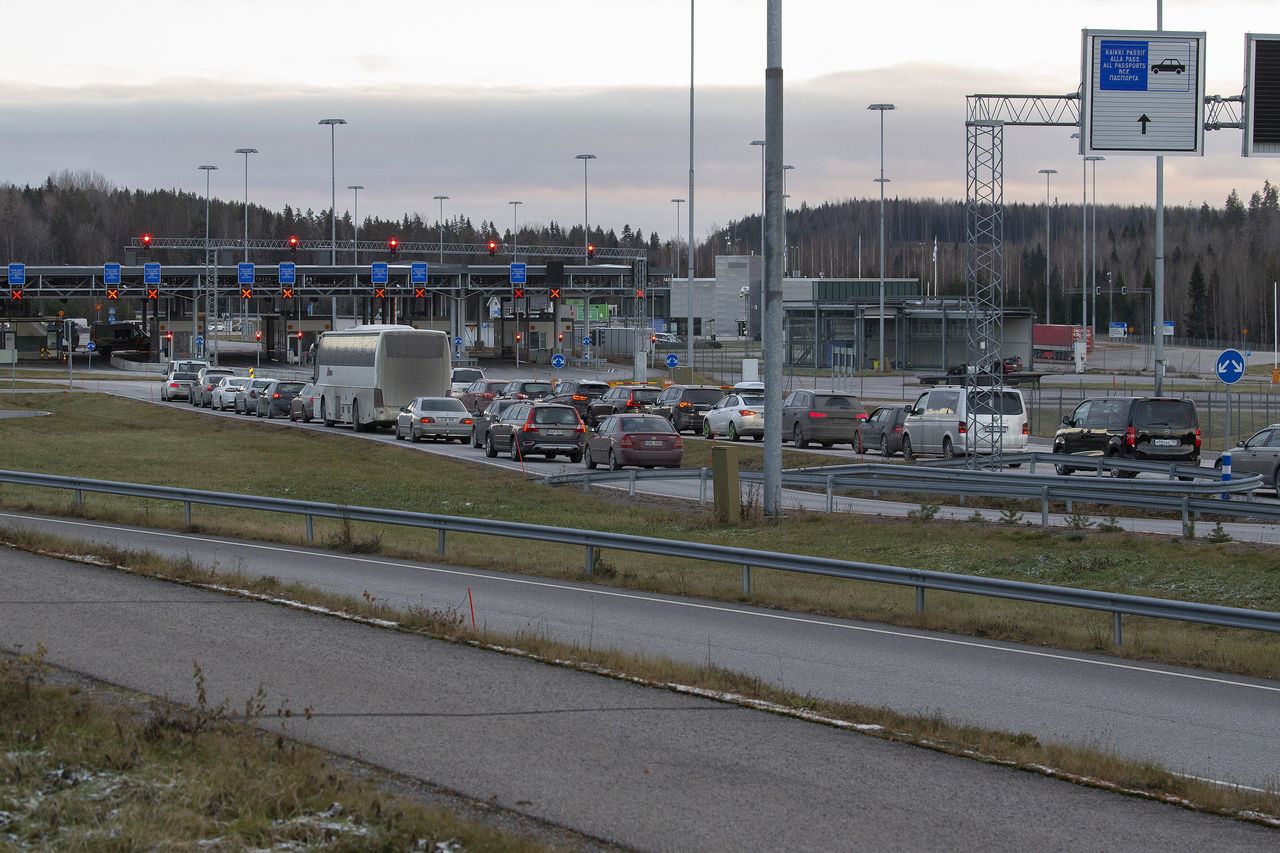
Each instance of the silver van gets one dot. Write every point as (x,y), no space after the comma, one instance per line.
(951,419)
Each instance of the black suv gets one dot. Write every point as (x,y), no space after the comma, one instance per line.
(686,405)
(525,389)
(1162,429)
(578,393)
(631,399)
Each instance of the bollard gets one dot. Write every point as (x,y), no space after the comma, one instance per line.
(586,483)
(727,489)
(702,485)
(591,559)
(746,579)
(440,543)
(1186,517)
(311,528)
(1226,472)
(1117,630)
(186,512)
(831,483)
(631,485)
(1044,506)
(79,500)
(919,601)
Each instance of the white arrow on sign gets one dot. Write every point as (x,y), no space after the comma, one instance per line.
(1226,366)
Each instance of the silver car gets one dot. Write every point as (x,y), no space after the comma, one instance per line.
(247,397)
(223,395)
(1260,454)
(737,415)
(434,418)
(206,379)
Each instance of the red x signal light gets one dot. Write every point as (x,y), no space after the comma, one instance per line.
(246,293)
(419,293)
(15,294)
(286,292)
(380,293)
(517,293)
(153,293)
(639,293)
(113,293)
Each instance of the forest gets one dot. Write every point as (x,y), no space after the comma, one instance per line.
(1220,262)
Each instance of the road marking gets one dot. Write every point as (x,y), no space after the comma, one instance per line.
(717,608)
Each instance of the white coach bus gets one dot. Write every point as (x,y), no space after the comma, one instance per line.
(363,376)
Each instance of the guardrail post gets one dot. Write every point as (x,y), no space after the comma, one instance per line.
(591,560)
(702,485)
(919,601)
(440,543)
(831,498)
(1068,507)
(586,482)
(79,500)
(311,528)
(1044,506)
(1032,467)
(1186,517)
(746,579)
(186,512)
(1117,630)
(631,485)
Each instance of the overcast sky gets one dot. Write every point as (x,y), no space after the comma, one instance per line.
(490,102)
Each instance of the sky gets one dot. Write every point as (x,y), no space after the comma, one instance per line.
(489,103)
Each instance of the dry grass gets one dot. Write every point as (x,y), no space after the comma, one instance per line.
(97,436)
(1081,764)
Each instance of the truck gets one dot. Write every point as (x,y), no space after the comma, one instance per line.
(1052,342)
(118,337)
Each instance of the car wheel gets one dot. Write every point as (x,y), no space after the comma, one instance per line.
(884,446)
(948,451)
(798,439)
(489,449)
(706,430)
(614,464)
(549,455)
(827,445)
(271,414)
(475,441)
(355,416)
(908,452)
(575,457)
(587,458)
(1061,470)
(733,432)
(399,436)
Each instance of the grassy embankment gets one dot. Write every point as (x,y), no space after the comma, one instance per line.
(108,438)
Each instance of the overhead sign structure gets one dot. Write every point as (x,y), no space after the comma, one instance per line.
(17,274)
(378,272)
(1261,95)
(418,272)
(111,273)
(1143,92)
(151,273)
(519,274)
(287,273)
(1230,367)
(244,273)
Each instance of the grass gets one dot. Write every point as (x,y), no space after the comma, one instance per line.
(1085,765)
(110,438)
(82,771)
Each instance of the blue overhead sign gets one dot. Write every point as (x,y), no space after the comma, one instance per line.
(110,273)
(17,274)
(378,273)
(519,274)
(418,272)
(1230,367)
(287,272)
(244,273)
(1122,65)
(151,273)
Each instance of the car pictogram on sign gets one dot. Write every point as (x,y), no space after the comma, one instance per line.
(1168,65)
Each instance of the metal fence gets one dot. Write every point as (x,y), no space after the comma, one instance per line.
(1117,604)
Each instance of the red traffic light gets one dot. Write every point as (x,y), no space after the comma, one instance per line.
(146,241)
(560,337)
(492,246)
(591,250)
(257,336)
(293,243)
(653,339)
(393,244)
(168,336)
(518,337)
(299,335)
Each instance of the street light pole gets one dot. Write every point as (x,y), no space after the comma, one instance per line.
(333,185)
(761,143)
(882,108)
(355,221)
(442,199)
(209,283)
(586,226)
(677,202)
(515,206)
(786,264)
(246,152)
(1047,298)
(1093,275)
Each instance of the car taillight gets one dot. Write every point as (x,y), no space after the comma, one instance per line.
(579,397)
(631,403)
(467,421)
(626,441)
(746,413)
(520,396)
(529,425)
(679,445)
(898,428)
(817,414)
(685,404)
(1197,437)
(486,396)
(581,427)
(1026,428)
(1130,437)
(275,396)
(962,428)
(208,387)
(861,416)
(173,384)
(426,420)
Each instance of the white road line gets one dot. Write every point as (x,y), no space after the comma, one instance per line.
(673,603)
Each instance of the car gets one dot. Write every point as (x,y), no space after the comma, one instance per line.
(953,419)
(275,399)
(530,428)
(480,423)
(1012,364)
(649,441)
(178,385)
(480,393)
(622,398)
(206,379)
(110,337)
(303,405)
(435,418)
(223,396)
(736,416)
(246,400)
(579,393)
(665,339)
(825,417)
(462,377)
(749,385)
(1163,429)
(883,430)
(526,389)
(1168,65)
(1259,454)
(685,405)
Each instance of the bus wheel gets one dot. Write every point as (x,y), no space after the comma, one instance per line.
(324,413)
(355,416)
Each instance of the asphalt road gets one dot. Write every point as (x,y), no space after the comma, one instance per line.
(1191,721)
(641,767)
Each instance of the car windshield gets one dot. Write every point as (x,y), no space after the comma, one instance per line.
(234,383)
(645,425)
(989,403)
(646,395)
(441,404)
(556,415)
(289,387)
(1174,414)
(536,388)
(466,374)
(703,395)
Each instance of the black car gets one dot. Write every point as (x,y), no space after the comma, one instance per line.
(624,399)
(578,393)
(537,429)
(526,389)
(276,400)
(481,423)
(686,405)
(883,430)
(1162,429)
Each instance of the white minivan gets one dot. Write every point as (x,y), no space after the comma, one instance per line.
(949,420)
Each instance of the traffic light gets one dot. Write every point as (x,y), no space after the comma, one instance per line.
(492,246)
(560,337)
(591,250)
(246,293)
(393,244)
(168,336)
(519,337)
(653,339)
(146,242)
(257,336)
(293,244)
(153,293)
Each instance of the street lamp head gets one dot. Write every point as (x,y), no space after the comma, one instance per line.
(788,168)
(246,150)
(584,157)
(758,142)
(515,202)
(207,168)
(881,107)
(439,198)
(1048,171)
(333,121)
(354,187)
(1093,158)
(677,201)
(881,180)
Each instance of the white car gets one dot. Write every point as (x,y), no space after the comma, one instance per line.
(461,378)
(223,395)
(735,416)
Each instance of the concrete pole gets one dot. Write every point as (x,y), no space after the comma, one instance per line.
(1048,298)
(1157,331)
(1084,247)
(692,253)
(772,328)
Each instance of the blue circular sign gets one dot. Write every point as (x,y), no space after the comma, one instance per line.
(1230,366)
(91,346)
(673,360)
(557,361)
(586,342)
(457,342)
(199,340)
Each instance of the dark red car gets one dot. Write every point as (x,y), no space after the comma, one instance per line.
(649,441)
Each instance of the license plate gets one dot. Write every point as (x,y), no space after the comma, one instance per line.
(555,432)
(448,420)
(1165,442)
(653,444)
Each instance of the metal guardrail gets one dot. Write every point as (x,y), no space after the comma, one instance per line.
(1118,604)
(1201,495)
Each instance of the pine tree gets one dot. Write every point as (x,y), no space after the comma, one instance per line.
(1198,310)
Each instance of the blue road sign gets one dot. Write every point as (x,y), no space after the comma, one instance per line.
(1123,65)
(557,361)
(586,342)
(1230,366)
(111,314)
(244,273)
(418,272)
(151,273)
(519,274)
(111,273)
(287,272)
(199,340)
(17,274)
(91,346)
(378,273)
(673,360)
(457,342)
